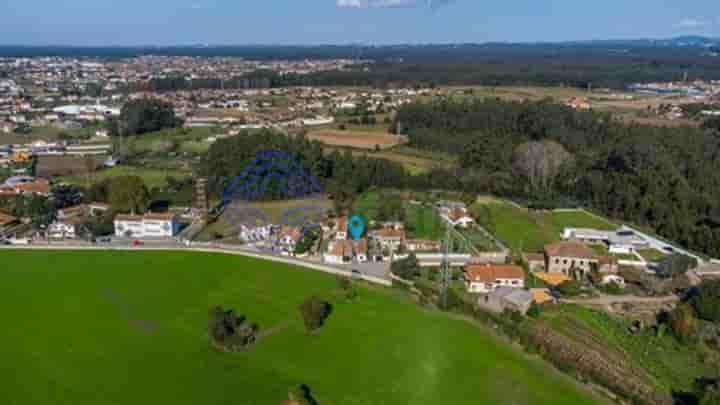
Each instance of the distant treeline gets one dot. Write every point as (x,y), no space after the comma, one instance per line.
(601,64)
(546,153)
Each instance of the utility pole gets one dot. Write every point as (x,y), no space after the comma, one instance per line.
(445,272)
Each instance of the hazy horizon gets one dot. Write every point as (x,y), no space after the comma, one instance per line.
(346,22)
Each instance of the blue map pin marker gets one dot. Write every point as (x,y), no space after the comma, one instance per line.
(356,226)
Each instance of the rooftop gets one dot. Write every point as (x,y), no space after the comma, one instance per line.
(569,249)
(488,273)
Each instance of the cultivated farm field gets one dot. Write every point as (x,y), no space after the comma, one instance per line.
(356,139)
(131,328)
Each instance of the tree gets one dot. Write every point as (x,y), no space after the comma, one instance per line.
(307,240)
(66,195)
(146,115)
(407,268)
(534,311)
(128,194)
(314,312)
(232,333)
(705,298)
(710,395)
(40,210)
(541,162)
(683,323)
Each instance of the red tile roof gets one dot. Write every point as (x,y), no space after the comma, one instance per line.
(38,186)
(569,249)
(342,224)
(390,233)
(129,218)
(488,273)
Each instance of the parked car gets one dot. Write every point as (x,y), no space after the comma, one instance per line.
(137,243)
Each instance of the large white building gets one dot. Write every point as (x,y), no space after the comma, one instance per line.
(623,240)
(146,226)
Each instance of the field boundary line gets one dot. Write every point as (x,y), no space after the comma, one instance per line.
(294,262)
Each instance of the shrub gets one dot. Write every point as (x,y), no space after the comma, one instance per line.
(230,332)
(346,287)
(314,312)
(706,300)
(406,268)
(570,288)
(613,288)
(683,323)
(534,311)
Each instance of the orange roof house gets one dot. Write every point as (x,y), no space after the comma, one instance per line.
(570,249)
(487,277)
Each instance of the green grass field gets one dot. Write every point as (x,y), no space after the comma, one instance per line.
(151,177)
(578,219)
(528,231)
(130,328)
(367,205)
(424,223)
(186,140)
(516,227)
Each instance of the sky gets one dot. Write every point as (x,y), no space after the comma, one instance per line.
(312,22)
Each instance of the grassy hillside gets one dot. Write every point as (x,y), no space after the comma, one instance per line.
(130,328)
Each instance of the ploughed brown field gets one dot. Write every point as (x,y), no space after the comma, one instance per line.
(356,139)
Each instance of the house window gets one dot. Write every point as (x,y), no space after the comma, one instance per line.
(514,282)
(565,261)
(557,261)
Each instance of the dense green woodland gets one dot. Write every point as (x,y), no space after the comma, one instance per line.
(666,178)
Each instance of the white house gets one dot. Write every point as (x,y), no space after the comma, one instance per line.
(485,278)
(621,241)
(389,239)
(613,278)
(456,216)
(64,228)
(146,226)
(254,234)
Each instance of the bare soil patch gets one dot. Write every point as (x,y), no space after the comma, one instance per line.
(357,139)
